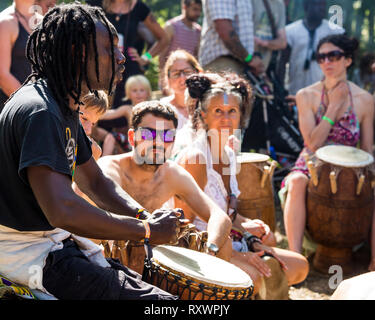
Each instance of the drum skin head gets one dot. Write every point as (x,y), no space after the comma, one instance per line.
(252,157)
(201,266)
(344,156)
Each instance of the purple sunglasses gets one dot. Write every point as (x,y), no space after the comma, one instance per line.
(168,135)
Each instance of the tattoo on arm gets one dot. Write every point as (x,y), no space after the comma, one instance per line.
(234,45)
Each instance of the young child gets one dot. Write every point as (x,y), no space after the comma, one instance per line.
(93,108)
(137,89)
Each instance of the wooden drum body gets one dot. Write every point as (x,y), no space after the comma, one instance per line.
(339,204)
(132,253)
(194,275)
(254,177)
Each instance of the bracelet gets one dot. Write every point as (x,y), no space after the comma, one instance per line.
(330,121)
(249,58)
(147,228)
(250,240)
(140,211)
(147,56)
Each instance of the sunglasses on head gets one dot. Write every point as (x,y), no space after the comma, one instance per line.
(332,56)
(168,135)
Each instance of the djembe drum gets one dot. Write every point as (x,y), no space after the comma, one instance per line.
(132,253)
(194,275)
(339,204)
(254,179)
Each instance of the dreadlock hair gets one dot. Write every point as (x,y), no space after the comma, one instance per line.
(202,87)
(58,50)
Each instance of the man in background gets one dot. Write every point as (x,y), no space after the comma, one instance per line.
(183,32)
(227,42)
(303,37)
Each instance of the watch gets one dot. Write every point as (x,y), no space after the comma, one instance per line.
(212,248)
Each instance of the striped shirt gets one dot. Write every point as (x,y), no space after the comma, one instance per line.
(240,12)
(184,37)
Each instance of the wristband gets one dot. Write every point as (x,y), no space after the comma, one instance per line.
(140,211)
(330,121)
(249,58)
(250,240)
(147,56)
(147,228)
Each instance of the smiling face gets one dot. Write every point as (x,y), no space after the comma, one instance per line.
(138,93)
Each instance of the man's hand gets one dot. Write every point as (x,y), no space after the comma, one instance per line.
(261,43)
(165,226)
(257,66)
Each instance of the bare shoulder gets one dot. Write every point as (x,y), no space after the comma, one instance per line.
(310,91)
(309,97)
(113,162)
(8,22)
(358,92)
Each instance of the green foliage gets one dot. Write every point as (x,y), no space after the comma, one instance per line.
(358,19)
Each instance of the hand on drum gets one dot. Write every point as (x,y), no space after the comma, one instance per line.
(166,226)
(254,259)
(258,247)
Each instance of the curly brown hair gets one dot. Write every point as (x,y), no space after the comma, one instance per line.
(156,108)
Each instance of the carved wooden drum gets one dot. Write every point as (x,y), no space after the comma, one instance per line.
(254,177)
(339,204)
(194,275)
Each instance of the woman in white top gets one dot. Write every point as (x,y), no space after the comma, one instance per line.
(222,108)
(179,66)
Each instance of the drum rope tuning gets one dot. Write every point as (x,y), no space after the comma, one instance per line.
(168,280)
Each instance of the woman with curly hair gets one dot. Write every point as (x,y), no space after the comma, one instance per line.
(221,107)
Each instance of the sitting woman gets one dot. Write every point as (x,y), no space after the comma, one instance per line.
(179,66)
(137,89)
(333,111)
(222,108)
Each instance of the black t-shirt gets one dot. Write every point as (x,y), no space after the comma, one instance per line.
(35,132)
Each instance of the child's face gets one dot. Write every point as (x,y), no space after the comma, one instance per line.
(138,93)
(89,118)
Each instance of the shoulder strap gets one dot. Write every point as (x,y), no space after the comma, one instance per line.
(271,18)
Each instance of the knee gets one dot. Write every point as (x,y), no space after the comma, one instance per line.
(300,270)
(297,183)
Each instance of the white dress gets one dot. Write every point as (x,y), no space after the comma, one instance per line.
(215,187)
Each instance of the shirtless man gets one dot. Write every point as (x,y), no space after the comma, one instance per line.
(152,180)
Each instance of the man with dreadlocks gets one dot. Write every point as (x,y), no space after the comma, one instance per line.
(43,147)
